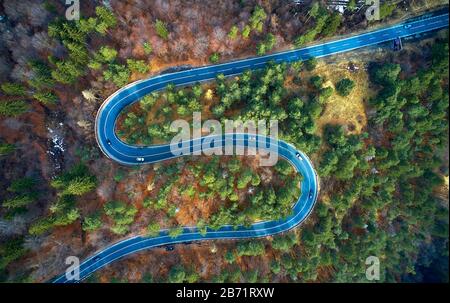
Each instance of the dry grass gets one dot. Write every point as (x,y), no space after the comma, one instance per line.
(348,111)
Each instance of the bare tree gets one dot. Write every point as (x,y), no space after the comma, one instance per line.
(20,73)
(41,41)
(179,48)
(161,7)
(5,68)
(89,95)
(160,47)
(219,33)
(15,9)
(201,46)
(37,14)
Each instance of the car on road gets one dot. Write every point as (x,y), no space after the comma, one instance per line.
(108,141)
(140,159)
(297,155)
(406,26)
(97,258)
(310,194)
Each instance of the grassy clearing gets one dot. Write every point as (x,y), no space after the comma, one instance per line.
(348,111)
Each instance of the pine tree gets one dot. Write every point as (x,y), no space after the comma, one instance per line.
(137,66)
(6,149)
(46,97)
(107,54)
(153,229)
(76,181)
(177,274)
(13,108)
(257,18)
(345,86)
(214,58)
(106,19)
(10,251)
(92,223)
(13,89)
(161,29)
(148,49)
(233,32)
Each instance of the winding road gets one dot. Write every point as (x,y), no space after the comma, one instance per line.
(125,154)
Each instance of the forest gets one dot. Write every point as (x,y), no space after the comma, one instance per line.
(383,192)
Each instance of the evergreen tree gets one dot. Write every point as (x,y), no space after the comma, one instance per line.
(13,108)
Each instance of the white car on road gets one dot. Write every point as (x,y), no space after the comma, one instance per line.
(297,155)
(140,159)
